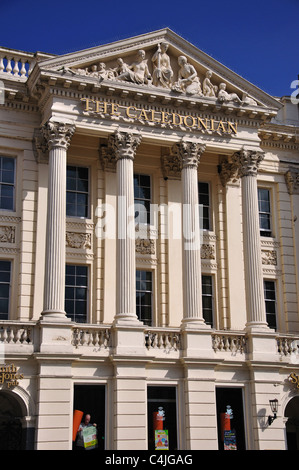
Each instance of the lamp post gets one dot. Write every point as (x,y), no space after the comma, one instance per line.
(274,408)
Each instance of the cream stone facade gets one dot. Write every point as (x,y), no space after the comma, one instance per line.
(148,250)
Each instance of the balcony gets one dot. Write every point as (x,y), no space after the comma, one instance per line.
(23,339)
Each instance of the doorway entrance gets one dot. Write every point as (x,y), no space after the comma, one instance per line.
(11,433)
(292,424)
(90,399)
(230,418)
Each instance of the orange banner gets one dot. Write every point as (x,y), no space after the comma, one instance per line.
(77,418)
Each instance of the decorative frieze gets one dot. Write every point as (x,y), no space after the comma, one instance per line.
(269,257)
(207,251)
(78,240)
(145,246)
(7,234)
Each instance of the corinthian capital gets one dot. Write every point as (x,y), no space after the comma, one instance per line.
(247,162)
(57,134)
(189,153)
(124,144)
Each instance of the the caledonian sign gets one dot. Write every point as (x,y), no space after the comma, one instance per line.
(164,118)
(8,375)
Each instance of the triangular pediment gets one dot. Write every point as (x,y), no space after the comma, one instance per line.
(160,62)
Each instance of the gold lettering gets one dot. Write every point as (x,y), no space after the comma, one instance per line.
(192,121)
(164,116)
(152,116)
(174,115)
(143,115)
(233,127)
(114,111)
(87,102)
(201,123)
(221,127)
(103,106)
(212,125)
(128,112)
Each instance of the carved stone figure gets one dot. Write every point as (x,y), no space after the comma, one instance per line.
(247,100)
(138,72)
(225,97)
(207,87)
(188,80)
(121,67)
(162,73)
(103,73)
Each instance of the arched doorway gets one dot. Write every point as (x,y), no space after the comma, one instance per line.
(11,437)
(292,424)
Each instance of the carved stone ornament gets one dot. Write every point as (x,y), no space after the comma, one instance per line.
(228,172)
(107,157)
(247,162)
(124,144)
(78,240)
(292,181)
(158,71)
(7,234)
(145,246)
(58,134)
(269,257)
(188,152)
(171,165)
(40,147)
(207,251)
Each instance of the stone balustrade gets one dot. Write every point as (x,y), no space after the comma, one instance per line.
(19,336)
(163,338)
(93,336)
(229,342)
(288,345)
(16,333)
(15,64)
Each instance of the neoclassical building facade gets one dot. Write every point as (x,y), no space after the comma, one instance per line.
(148,251)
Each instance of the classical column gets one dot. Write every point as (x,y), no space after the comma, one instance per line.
(248,162)
(189,154)
(125,145)
(58,137)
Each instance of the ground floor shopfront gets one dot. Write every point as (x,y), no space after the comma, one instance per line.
(163,396)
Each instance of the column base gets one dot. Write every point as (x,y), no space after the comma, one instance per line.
(126,320)
(194,324)
(258,327)
(54,316)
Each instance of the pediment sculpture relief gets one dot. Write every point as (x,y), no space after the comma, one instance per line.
(184,81)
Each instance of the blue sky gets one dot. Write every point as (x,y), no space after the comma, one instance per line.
(257,39)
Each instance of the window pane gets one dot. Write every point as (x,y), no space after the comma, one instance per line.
(76,287)
(207,299)
(5,274)
(77,191)
(144,296)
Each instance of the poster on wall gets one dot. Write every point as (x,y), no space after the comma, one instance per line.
(161,439)
(230,442)
(90,437)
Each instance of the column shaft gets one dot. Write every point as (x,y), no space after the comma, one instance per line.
(58,136)
(248,162)
(124,146)
(189,154)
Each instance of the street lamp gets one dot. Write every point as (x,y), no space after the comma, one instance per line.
(274,408)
